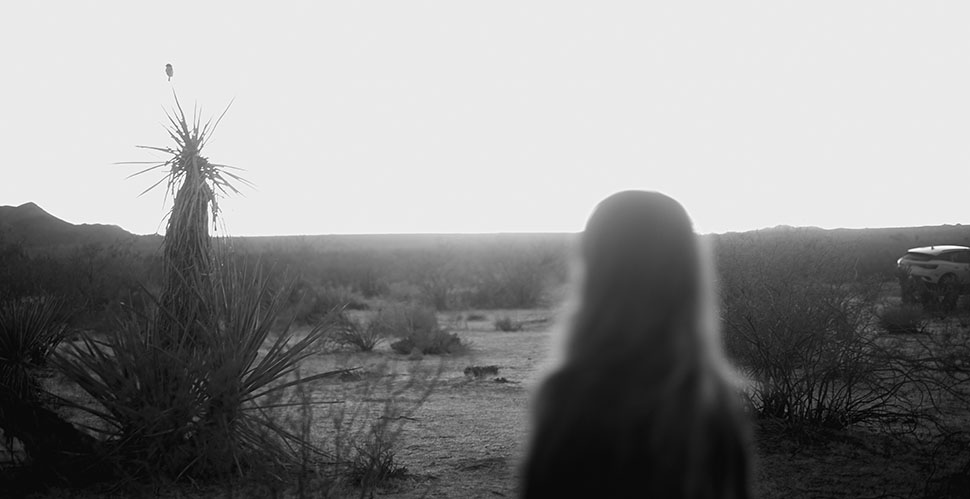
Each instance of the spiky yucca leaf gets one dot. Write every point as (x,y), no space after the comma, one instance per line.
(30,329)
(196,407)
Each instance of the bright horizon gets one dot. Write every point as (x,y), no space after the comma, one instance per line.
(447,117)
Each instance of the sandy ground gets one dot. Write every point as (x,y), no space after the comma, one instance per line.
(468,437)
(471,434)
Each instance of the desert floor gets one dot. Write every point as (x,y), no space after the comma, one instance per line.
(468,437)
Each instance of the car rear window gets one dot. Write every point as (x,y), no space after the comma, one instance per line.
(919,257)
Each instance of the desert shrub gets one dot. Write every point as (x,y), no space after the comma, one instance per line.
(310,304)
(86,281)
(347,332)
(803,336)
(455,322)
(367,420)
(517,280)
(374,459)
(403,319)
(417,329)
(403,292)
(912,290)
(903,319)
(436,279)
(506,324)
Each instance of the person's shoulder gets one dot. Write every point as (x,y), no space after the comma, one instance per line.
(730,442)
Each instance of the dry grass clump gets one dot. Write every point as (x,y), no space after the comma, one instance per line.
(506,324)
(352,333)
(479,372)
(903,319)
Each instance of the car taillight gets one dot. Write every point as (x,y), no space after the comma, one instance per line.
(926,266)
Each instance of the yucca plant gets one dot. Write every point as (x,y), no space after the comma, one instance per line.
(183,389)
(30,331)
(194,183)
(196,408)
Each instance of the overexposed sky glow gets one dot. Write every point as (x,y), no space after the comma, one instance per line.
(448,116)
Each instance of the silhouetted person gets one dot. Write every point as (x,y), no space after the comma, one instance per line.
(642,405)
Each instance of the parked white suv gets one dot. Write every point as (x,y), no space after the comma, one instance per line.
(937,273)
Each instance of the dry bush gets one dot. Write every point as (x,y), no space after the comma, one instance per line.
(401,319)
(436,277)
(417,329)
(803,335)
(506,324)
(308,304)
(348,332)
(518,280)
(808,335)
(366,416)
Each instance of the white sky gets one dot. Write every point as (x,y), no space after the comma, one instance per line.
(460,116)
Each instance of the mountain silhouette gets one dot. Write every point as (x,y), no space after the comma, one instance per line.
(35,229)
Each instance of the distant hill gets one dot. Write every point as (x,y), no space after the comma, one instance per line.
(37,230)
(347,243)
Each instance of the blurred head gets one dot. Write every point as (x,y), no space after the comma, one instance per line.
(641,283)
(644,388)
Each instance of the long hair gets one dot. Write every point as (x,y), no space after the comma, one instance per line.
(642,404)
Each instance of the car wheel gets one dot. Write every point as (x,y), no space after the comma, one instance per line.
(906,290)
(913,291)
(949,292)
